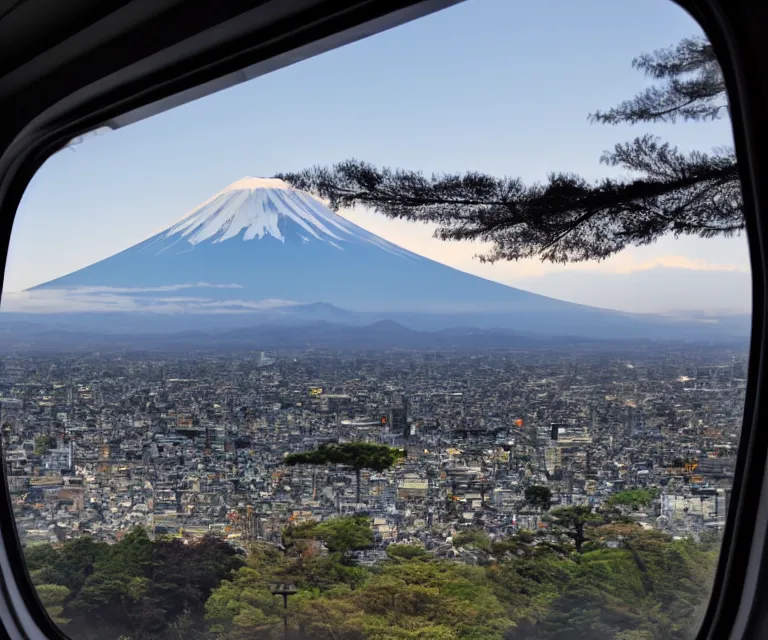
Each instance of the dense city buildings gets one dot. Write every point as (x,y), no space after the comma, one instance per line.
(192,445)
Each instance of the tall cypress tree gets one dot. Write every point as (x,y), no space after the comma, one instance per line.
(567,218)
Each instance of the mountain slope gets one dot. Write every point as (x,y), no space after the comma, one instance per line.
(257,240)
(260,247)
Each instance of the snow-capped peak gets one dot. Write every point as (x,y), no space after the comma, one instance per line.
(252,208)
(249,183)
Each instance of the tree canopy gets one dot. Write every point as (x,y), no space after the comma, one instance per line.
(136,587)
(357,455)
(573,520)
(340,535)
(627,583)
(538,496)
(568,218)
(649,586)
(633,498)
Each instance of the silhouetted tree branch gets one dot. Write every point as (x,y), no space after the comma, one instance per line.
(568,218)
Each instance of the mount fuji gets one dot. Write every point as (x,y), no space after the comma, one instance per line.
(260,251)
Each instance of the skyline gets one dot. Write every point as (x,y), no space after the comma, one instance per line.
(149,174)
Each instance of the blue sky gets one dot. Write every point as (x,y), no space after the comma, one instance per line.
(492,85)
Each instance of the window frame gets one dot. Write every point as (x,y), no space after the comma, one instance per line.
(118,67)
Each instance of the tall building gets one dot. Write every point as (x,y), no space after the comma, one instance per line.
(630,419)
(553,459)
(398,415)
(639,422)
(556,428)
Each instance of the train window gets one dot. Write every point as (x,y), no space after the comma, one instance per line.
(442,334)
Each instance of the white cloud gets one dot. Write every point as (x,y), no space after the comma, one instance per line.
(582,282)
(161,289)
(657,289)
(631,261)
(668,252)
(101,299)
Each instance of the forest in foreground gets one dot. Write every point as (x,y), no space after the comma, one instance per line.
(583,578)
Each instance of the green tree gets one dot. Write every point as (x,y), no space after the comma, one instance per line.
(325,572)
(407,553)
(538,496)
(69,564)
(477,538)
(182,576)
(649,586)
(244,606)
(112,594)
(136,587)
(340,535)
(633,498)
(358,455)
(329,616)
(569,218)
(431,600)
(528,584)
(52,597)
(625,583)
(43,444)
(573,520)
(293,535)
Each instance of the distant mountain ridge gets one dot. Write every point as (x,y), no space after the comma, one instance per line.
(383,335)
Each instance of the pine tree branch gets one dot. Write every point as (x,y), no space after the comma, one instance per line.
(694,88)
(567,218)
(688,56)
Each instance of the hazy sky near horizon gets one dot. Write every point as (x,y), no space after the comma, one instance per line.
(499,86)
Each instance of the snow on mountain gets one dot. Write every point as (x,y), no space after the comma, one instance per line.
(261,247)
(253,208)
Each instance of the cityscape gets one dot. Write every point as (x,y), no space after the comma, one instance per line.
(186,448)
(291,414)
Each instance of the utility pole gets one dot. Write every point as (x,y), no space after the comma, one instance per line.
(285,590)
